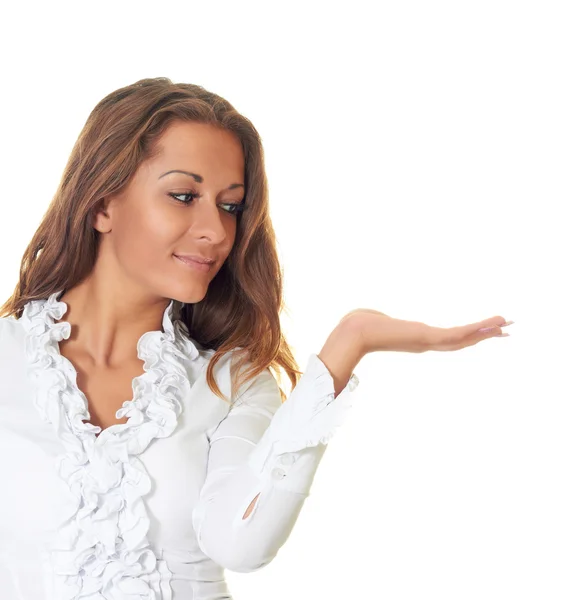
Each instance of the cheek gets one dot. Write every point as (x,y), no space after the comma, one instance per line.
(147,237)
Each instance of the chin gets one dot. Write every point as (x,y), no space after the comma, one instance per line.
(192,298)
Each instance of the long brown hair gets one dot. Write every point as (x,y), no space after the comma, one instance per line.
(243,302)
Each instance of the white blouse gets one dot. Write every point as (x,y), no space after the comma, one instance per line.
(151,509)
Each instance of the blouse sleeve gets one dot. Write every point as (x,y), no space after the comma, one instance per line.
(272,449)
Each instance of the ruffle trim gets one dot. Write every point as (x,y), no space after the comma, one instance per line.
(101,551)
(310,416)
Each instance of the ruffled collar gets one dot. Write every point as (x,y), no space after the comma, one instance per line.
(102,548)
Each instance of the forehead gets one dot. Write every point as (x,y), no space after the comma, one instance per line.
(200,145)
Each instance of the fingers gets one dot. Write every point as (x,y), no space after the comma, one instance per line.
(495,327)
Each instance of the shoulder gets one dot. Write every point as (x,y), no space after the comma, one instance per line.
(11,334)
(260,389)
(261,392)
(8,327)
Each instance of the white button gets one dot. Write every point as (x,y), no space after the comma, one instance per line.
(278,473)
(287,459)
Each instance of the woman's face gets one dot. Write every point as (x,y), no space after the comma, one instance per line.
(143,227)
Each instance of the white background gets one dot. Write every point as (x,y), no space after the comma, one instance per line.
(415,155)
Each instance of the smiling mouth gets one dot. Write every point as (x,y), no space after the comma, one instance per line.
(192,264)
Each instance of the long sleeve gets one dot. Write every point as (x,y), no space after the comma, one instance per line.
(272,449)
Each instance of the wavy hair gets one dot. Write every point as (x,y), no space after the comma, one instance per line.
(244,300)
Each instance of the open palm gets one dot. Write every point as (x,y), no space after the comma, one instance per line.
(378,331)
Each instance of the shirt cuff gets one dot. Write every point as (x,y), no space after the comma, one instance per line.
(309,417)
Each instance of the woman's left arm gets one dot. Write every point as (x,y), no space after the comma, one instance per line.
(264,454)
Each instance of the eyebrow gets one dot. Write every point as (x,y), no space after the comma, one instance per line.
(199,178)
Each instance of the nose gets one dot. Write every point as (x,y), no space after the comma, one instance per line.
(208,220)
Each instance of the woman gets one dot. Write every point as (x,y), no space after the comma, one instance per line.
(145,445)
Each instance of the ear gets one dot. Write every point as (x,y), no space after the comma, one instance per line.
(100,217)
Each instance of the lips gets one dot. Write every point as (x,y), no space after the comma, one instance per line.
(196,258)
(192,264)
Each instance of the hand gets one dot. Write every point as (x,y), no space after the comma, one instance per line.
(377,331)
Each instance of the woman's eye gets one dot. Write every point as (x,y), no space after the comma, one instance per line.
(177,196)
(233,209)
